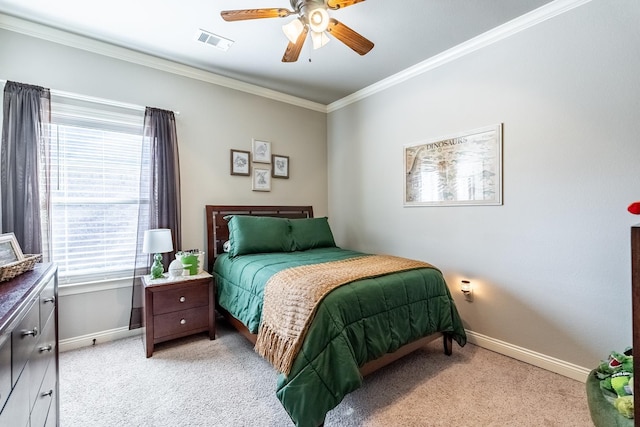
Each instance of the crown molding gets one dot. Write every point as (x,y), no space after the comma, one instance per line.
(535,17)
(44,32)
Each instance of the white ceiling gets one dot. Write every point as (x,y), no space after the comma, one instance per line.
(405,33)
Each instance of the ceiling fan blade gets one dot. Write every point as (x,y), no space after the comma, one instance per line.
(349,37)
(339,4)
(244,14)
(293,50)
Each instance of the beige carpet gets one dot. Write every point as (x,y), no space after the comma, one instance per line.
(197,382)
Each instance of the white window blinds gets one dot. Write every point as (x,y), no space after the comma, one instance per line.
(95,162)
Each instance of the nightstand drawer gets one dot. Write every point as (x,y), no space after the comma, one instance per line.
(180,322)
(180,298)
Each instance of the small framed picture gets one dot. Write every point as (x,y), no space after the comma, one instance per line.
(261,151)
(240,162)
(10,251)
(261,180)
(280,168)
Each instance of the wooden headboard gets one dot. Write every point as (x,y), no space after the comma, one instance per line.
(218,230)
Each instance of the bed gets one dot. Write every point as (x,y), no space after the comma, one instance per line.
(359,321)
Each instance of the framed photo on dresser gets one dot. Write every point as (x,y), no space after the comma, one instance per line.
(9,249)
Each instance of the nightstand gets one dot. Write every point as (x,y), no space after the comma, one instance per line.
(175,307)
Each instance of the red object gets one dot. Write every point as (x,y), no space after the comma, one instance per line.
(634,208)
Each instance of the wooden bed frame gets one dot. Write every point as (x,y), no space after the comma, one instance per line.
(218,233)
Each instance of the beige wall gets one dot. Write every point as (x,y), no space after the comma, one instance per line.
(212,120)
(551,267)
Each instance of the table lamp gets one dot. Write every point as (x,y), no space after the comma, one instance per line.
(157,241)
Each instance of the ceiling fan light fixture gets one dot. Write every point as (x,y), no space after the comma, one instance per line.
(313,17)
(318,20)
(293,29)
(319,39)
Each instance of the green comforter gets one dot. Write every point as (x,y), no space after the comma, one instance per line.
(354,324)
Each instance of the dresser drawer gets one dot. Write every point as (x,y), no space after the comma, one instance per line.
(47,300)
(181,322)
(16,410)
(5,368)
(24,338)
(46,394)
(177,298)
(52,416)
(41,357)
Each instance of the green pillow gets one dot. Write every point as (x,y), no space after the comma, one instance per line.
(311,233)
(258,234)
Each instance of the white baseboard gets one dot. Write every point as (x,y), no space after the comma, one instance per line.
(97,338)
(552,364)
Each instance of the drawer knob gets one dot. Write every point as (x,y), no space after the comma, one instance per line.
(50,299)
(46,393)
(182,321)
(46,348)
(182,299)
(32,332)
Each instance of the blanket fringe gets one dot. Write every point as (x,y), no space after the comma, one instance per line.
(279,350)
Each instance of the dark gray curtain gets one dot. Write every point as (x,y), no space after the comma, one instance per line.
(25,191)
(161,181)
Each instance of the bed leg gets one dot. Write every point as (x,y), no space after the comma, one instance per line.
(447,340)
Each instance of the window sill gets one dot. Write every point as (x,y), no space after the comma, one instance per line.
(96,286)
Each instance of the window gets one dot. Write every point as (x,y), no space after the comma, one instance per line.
(96,161)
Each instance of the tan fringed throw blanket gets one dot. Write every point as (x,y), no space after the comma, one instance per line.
(291,298)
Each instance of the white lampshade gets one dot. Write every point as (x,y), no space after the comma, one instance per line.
(319,39)
(293,30)
(318,20)
(157,241)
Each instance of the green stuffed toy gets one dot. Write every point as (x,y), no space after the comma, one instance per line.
(624,405)
(616,380)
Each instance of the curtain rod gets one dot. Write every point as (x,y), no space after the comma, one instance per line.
(103,101)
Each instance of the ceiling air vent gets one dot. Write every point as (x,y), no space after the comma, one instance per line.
(214,40)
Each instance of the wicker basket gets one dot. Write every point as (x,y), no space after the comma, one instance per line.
(11,270)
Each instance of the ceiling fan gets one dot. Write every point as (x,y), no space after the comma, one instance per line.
(313,17)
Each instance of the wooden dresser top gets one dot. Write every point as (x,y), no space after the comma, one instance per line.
(17,292)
